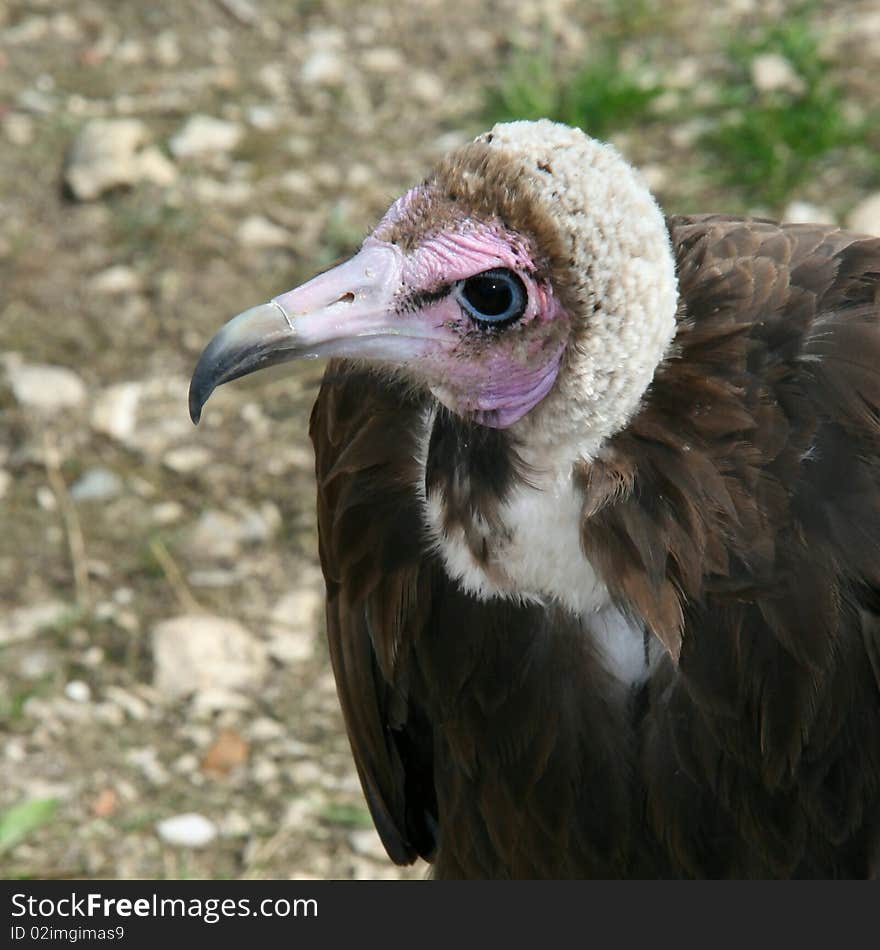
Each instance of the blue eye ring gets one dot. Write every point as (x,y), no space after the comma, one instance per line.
(493,298)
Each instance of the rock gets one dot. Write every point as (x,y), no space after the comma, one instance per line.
(43,388)
(227,752)
(187,458)
(5,482)
(772,72)
(18,129)
(366,842)
(167,512)
(147,761)
(323,68)
(805,213)
(96,484)
(216,536)
(294,624)
(111,153)
(384,60)
(204,134)
(190,830)
(26,622)
(427,87)
(865,217)
(78,691)
(147,416)
(115,280)
(199,653)
(258,231)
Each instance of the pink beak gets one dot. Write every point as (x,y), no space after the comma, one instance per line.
(349,311)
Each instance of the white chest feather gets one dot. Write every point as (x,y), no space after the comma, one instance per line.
(533,553)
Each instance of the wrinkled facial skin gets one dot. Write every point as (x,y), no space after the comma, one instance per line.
(401,309)
(493,375)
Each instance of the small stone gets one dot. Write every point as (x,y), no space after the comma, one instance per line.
(5,482)
(229,751)
(147,761)
(190,830)
(426,87)
(96,484)
(264,771)
(772,72)
(264,729)
(366,842)
(865,217)
(294,624)
(297,183)
(104,803)
(47,389)
(115,280)
(115,410)
(264,118)
(26,622)
(204,134)
(111,153)
(167,512)
(187,458)
(383,60)
(199,652)
(258,231)
(78,691)
(156,167)
(216,536)
(802,212)
(167,48)
(323,68)
(18,129)
(234,825)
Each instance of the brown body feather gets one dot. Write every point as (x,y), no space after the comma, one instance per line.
(738,514)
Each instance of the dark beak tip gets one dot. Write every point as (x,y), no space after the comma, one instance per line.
(198,396)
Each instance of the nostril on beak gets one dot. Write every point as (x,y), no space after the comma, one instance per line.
(346,298)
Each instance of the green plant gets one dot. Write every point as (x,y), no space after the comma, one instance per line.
(766,143)
(602,95)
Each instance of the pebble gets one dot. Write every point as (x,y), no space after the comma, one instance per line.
(147,760)
(187,458)
(200,653)
(5,482)
(18,129)
(167,512)
(96,484)
(205,134)
(45,389)
(293,625)
(805,213)
(323,68)
(78,691)
(115,280)
(258,231)
(112,153)
(190,830)
(26,622)
(367,843)
(772,72)
(865,217)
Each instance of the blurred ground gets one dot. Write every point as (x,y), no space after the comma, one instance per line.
(258,143)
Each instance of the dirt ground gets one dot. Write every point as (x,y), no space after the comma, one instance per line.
(121,522)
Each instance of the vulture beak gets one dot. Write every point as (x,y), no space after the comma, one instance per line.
(349,311)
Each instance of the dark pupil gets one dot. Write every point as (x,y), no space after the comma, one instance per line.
(488,295)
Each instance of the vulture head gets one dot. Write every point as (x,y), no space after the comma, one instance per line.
(531,266)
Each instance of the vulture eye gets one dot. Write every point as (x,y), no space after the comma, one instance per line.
(494,298)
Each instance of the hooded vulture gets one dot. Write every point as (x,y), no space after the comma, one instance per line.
(599,513)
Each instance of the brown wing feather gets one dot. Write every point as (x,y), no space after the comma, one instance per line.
(751,477)
(370,541)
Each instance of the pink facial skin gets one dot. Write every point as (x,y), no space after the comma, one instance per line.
(401,309)
(493,375)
